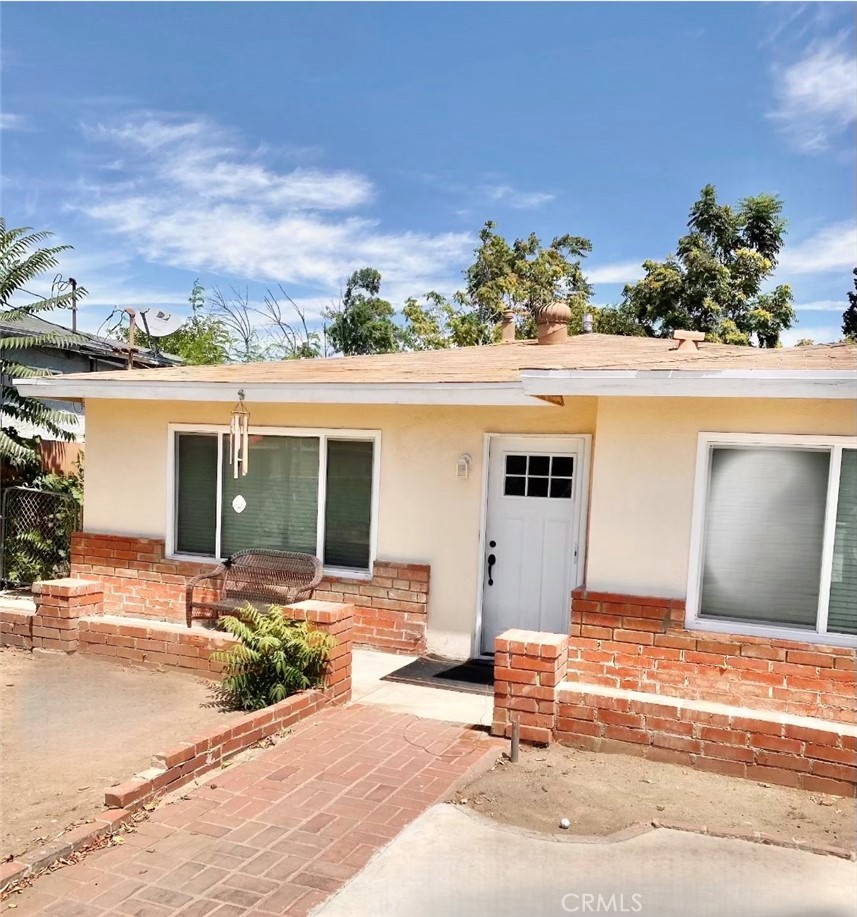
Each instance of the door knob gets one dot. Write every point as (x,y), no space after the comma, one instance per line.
(491,561)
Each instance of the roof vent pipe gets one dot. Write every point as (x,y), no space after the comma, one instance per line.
(688,340)
(507,327)
(552,323)
(587,323)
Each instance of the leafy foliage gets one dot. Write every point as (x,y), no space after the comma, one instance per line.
(274,657)
(37,535)
(522,276)
(262,333)
(363,322)
(849,316)
(712,283)
(202,340)
(24,259)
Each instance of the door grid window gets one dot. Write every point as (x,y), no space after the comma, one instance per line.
(539,476)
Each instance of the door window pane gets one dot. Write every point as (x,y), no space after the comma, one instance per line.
(348,510)
(539,476)
(279,496)
(842,611)
(763,535)
(196,493)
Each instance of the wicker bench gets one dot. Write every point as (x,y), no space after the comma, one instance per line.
(261,578)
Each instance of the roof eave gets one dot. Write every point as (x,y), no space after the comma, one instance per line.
(416,393)
(685,383)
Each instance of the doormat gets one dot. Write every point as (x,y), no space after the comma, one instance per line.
(475,676)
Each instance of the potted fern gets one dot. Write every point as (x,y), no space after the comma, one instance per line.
(273,657)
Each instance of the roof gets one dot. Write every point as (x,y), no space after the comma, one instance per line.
(82,341)
(506,369)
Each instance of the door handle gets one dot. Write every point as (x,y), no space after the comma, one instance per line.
(491,561)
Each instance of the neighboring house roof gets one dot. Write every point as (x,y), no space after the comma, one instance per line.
(511,373)
(83,342)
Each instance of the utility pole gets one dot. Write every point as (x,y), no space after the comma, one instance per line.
(132,327)
(73,283)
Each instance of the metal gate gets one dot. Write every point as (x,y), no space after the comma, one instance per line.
(35,534)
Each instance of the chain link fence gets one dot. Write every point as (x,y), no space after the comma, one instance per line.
(35,534)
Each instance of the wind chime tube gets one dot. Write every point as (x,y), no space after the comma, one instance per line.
(245,458)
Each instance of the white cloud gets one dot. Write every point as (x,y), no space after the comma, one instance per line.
(193,197)
(822,305)
(12,122)
(617,272)
(517,199)
(832,248)
(816,95)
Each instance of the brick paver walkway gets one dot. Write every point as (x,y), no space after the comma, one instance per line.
(277,834)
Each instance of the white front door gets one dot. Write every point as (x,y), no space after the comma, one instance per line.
(531,535)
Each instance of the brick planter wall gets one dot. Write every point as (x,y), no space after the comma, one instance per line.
(189,760)
(536,684)
(390,609)
(639,643)
(767,746)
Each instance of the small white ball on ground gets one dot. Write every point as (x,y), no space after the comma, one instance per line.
(564,823)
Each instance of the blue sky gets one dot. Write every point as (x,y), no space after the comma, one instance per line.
(251,144)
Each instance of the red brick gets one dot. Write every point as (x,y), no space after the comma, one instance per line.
(775,743)
(814,659)
(829,753)
(621,734)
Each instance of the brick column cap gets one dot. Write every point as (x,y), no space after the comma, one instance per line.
(532,642)
(66,587)
(318,612)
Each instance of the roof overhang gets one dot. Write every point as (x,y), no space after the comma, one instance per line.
(456,393)
(686,383)
(536,388)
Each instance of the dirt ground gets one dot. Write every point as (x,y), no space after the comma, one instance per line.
(601,793)
(70,726)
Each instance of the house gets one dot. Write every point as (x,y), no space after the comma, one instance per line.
(685,511)
(61,350)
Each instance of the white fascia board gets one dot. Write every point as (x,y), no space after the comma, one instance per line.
(687,383)
(456,393)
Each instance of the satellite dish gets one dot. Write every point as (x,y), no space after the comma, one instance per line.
(159,323)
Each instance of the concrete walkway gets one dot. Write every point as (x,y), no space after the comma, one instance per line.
(370,666)
(452,863)
(276,834)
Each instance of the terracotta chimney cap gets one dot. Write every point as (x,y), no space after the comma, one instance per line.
(688,340)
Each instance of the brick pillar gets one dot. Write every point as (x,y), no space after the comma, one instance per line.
(59,605)
(528,666)
(336,619)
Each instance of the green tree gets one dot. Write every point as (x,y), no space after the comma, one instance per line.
(23,259)
(522,276)
(849,316)
(363,322)
(712,283)
(202,340)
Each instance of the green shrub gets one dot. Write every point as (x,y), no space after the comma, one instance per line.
(273,658)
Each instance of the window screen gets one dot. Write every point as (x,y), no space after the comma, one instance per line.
(278,505)
(349,504)
(842,610)
(196,500)
(763,535)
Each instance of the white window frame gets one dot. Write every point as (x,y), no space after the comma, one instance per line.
(709,441)
(323,434)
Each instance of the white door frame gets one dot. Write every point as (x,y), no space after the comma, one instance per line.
(583,447)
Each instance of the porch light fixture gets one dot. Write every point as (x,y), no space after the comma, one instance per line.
(239,437)
(462,466)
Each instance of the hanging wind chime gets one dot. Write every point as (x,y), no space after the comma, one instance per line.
(239,437)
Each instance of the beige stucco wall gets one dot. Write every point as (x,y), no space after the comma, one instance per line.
(426,513)
(644,468)
(641,491)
